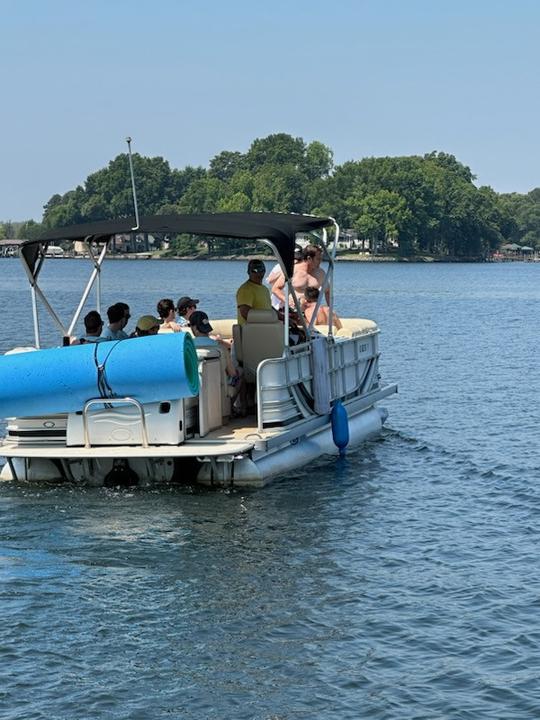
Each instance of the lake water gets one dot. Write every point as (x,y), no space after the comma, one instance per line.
(402,582)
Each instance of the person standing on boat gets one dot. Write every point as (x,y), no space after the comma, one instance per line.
(277,272)
(93,325)
(117,322)
(307,273)
(253,294)
(313,255)
(166,312)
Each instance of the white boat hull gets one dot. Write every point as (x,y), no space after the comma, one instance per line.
(258,471)
(223,471)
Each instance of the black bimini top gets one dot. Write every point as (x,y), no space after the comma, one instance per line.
(280,228)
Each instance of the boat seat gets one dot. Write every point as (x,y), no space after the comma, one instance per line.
(237,343)
(227,391)
(352,327)
(210,389)
(222,327)
(262,338)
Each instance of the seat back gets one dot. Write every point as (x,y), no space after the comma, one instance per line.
(210,389)
(222,327)
(225,387)
(262,338)
(237,343)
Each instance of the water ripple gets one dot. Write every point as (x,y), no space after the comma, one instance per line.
(398,582)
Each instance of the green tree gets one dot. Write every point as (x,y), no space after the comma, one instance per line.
(525,213)
(278,149)
(427,204)
(29,230)
(185,244)
(202,196)
(181,181)
(66,212)
(224,165)
(235,202)
(318,161)
(107,193)
(8,229)
(381,217)
(279,189)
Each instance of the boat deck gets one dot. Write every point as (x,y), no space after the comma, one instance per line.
(237,437)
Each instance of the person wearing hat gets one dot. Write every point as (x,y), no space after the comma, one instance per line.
(201,329)
(146,325)
(253,294)
(185,307)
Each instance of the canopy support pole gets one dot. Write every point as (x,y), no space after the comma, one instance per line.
(330,278)
(32,277)
(95,273)
(35,316)
(49,309)
(289,291)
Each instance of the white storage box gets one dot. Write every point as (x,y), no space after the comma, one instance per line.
(121,424)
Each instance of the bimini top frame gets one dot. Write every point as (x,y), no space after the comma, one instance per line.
(277,230)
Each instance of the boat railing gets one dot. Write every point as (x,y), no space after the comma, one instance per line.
(285,385)
(113,401)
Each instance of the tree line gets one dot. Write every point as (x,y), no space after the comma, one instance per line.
(414,205)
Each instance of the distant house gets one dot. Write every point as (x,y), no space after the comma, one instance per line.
(54,251)
(10,247)
(511,249)
(135,242)
(348,239)
(127,244)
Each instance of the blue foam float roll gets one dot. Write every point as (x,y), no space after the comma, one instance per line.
(61,380)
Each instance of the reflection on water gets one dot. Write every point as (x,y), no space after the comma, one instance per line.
(399,582)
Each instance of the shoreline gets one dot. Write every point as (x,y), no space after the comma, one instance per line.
(417,259)
(347,257)
(340,258)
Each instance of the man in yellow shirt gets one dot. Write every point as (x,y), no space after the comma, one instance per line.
(252,293)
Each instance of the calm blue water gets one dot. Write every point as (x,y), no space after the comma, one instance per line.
(401,583)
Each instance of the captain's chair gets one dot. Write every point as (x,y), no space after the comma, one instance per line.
(262,337)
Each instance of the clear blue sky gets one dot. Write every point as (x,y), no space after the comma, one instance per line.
(187,79)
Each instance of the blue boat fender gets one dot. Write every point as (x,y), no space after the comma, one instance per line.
(340,426)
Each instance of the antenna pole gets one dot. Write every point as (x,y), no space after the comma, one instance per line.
(128,140)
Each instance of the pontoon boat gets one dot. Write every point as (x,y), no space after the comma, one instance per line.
(109,414)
